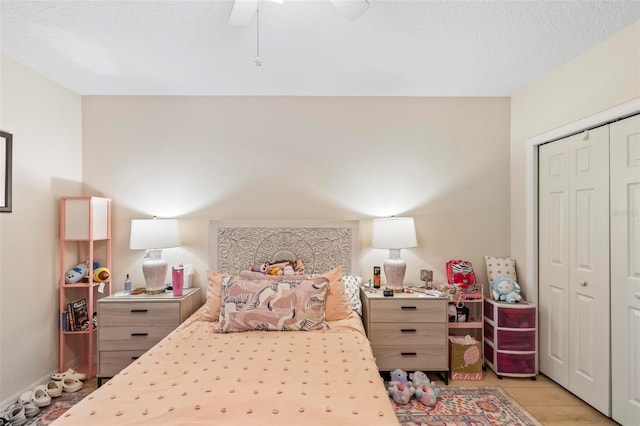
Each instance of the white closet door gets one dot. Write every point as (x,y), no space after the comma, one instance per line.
(553,289)
(589,299)
(625,270)
(574,265)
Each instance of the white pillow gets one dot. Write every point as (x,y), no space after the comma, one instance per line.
(500,267)
(352,288)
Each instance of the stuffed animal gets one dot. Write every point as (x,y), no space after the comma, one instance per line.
(263,267)
(101,275)
(298,267)
(427,394)
(419,378)
(401,393)
(505,289)
(399,376)
(288,270)
(77,273)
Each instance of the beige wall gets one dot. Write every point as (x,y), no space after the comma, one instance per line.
(601,78)
(442,160)
(45,120)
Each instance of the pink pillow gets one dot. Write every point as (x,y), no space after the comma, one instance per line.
(337,305)
(276,305)
(211,310)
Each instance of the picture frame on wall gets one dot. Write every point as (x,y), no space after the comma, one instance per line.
(6,150)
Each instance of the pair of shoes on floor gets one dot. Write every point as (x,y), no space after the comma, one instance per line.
(71,385)
(53,388)
(31,407)
(70,373)
(18,413)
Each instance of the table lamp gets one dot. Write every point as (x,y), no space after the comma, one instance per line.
(153,235)
(394,233)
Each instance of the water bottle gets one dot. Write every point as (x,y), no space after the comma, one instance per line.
(127,284)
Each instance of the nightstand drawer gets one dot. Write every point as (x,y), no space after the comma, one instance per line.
(134,337)
(407,310)
(112,362)
(424,358)
(139,313)
(391,333)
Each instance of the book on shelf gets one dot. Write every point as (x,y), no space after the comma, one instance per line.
(76,316)
(80,314)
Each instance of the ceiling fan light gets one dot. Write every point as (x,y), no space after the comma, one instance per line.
(351,9)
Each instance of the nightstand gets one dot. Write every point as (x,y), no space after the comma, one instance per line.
(407,331)
(128,326)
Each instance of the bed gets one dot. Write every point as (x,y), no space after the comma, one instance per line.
(321,371)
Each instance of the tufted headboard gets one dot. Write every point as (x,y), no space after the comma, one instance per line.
(235,245)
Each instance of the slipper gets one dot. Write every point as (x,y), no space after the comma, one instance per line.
(71,373)
(31,409)
(71,385)
(53,388)
(40,396)
(15,415)
(25,397)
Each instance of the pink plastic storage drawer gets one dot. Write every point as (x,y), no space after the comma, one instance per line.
(516,363)
(488,353)
(516,340)
(488,310)
(517,317)
(488,332)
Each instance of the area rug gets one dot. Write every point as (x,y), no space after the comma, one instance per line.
(57,408)
(473,406)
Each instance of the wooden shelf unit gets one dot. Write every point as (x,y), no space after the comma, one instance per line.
(85,235)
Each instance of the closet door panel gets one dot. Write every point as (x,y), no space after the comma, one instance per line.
(589,268)
(554,261)
(625,270)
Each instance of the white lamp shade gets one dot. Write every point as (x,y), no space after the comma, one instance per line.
(154,234)
(394,233)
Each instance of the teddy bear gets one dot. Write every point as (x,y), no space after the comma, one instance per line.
(505,289)
(427,394)
(399,376)
(418,378)
(401,393)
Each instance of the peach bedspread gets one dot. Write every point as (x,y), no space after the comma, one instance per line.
(198,377)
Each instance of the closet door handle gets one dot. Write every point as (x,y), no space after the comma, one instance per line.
(582,283)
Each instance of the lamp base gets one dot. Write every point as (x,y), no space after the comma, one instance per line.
(394,270)
(154,269)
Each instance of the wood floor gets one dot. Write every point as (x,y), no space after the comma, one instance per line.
(547,401)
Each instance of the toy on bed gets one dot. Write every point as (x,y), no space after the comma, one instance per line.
(506,290)
(280,267)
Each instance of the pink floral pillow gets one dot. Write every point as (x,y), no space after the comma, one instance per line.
(296,304)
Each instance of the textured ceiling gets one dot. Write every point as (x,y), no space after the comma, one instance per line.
(396,48)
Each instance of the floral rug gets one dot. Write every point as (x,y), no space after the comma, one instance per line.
(473,406)
(57,408)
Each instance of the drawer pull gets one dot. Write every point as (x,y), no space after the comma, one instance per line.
(408,330)
(139,334)
(408,354)
(408,308)
(133,358)
(139,311)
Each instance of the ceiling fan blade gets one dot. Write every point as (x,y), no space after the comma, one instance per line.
(243,12)
(352,9)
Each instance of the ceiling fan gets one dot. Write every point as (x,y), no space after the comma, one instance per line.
(244,10)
